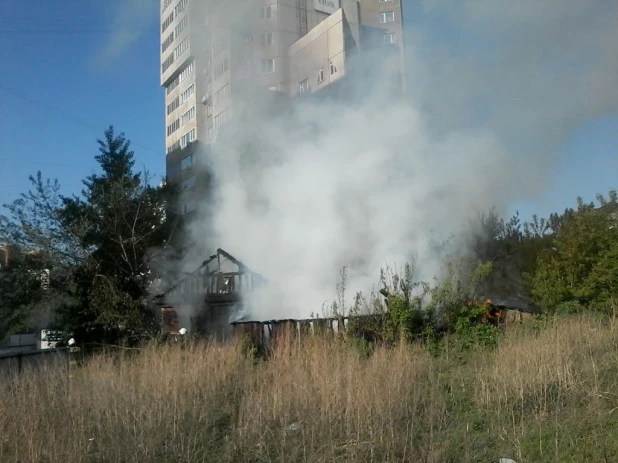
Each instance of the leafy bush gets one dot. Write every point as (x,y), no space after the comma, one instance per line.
(473,329)
(580,270)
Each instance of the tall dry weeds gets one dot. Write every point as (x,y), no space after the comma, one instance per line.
(542,395)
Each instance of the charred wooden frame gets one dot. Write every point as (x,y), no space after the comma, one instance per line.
(216,292)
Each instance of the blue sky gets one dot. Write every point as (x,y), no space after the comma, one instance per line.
(57,95)
(60,87)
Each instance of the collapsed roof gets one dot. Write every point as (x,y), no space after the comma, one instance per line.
(207,270)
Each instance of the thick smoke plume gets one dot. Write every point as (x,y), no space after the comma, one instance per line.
(373,184)
(367,188)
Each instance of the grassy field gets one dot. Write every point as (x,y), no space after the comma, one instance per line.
(547,393)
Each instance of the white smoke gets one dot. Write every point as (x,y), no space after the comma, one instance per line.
(377,184)
(530,72)
(128,21)
(368,187)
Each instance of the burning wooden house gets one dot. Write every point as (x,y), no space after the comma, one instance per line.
(209,298)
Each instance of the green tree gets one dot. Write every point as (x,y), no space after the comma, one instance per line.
(33,226)
(104,243)
(23,291)
(581,267)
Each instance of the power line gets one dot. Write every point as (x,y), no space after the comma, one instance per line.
(68,116)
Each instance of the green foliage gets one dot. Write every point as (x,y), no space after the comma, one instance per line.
(419,311)
(472,329)
(21,293)
(100,247)
(581,268)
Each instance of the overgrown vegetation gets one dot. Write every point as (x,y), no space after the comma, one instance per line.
(545,393)
(567,263)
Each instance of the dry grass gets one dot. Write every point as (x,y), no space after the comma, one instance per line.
(545,395)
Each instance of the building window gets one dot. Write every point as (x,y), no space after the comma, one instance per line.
(181,26)
(180,7)
(267,66)
(187,138)
(188,93)
(333,68)
(321,75)
(219,46)
(266,39)
(165,24)
(188,183)
(167,63)
(186,162)
(181,48)
(166,4)
(387,17)
(189,206)
(167,42)
(384,1)
(172,106)
(389,37)
(209,110)
(266,12)
(221,68)
(186,72)
(186,117)
(304,86)
(210,133)
(174,146)
(173,127)
(222,93)
(222,117)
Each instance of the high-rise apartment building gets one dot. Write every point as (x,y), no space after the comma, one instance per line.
(215,52)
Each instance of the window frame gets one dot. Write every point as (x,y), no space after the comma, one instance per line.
(392,39)
(301,88)
(264,9)
(384,15)
(263,41)
(267,60)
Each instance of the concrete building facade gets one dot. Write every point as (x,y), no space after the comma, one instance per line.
(215,52)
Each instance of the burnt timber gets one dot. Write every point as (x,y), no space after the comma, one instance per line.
(213,294)
(264,335)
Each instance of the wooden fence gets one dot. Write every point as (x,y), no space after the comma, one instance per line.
(264,335)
